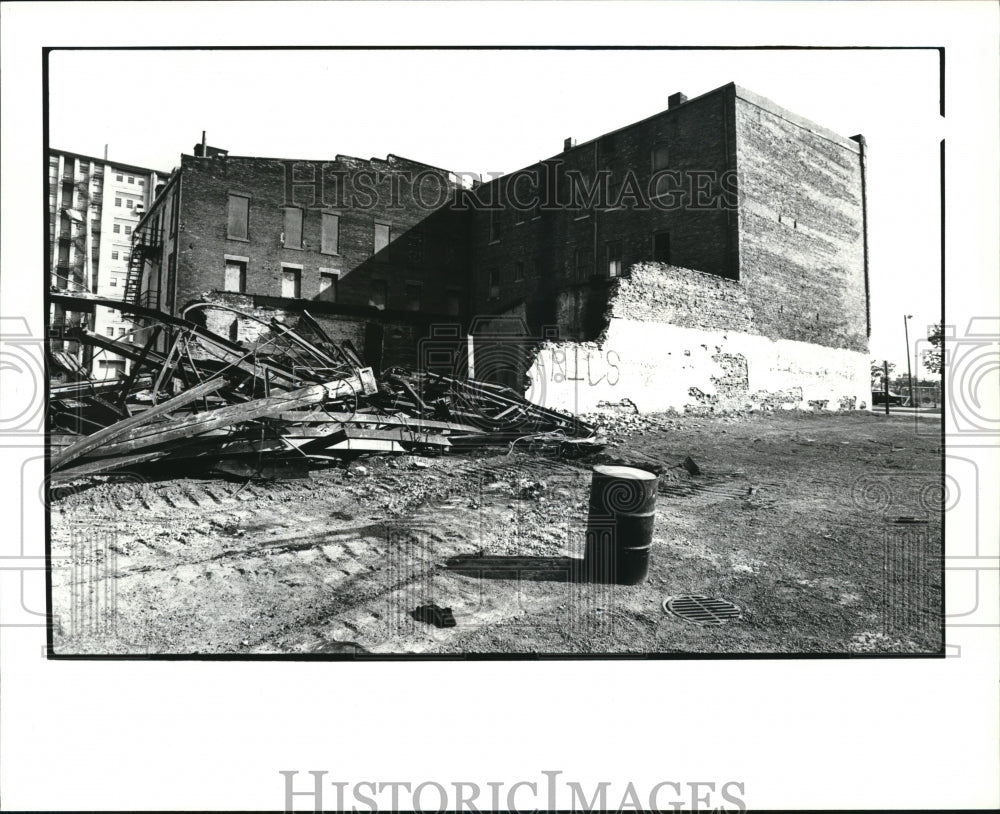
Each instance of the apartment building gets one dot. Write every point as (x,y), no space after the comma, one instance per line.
(94,206)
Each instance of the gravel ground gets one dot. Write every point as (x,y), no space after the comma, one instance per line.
(793,517)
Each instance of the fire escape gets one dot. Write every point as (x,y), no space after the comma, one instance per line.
(146,245)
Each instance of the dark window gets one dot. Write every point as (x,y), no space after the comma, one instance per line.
(118,201)
(128,230)
(236,276)
(111,331)
(114,282)
(661,247)
(114,255)
(415,249)
(494,284)
(131,179)
(413,292)
(328,285)
(293,227)
(518,271)
(661,157)
(238,222)
(583,266)
(379,294)
(128,203)
(614,259)
(117,228)
(118,177)
(291,282)
(493,226)
(330,237)
(452,302)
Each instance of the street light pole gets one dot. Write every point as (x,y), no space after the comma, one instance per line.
(909,372)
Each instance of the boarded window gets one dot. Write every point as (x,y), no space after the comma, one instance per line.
(661,247)
(614,259)
(238,223)
(378,295)
(661,157)
(328,284)
(293,227)
(236,276)
(382,236)
(330,239)
(413,292)
(291,282)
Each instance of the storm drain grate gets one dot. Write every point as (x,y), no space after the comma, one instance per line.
(702,610)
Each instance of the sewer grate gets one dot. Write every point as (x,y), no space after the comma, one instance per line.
(702,610)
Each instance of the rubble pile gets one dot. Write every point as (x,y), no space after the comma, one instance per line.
(292,400)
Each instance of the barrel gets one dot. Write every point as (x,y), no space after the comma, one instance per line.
(620,525)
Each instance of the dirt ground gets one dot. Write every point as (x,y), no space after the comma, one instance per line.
(794,518)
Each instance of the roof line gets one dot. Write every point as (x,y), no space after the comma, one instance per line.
(98,160)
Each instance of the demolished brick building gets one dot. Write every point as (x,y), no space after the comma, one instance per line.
(712,256)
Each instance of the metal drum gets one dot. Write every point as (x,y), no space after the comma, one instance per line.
(620,525)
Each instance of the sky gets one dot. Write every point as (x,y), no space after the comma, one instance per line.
(497,111)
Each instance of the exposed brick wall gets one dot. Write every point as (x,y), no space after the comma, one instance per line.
(801,227)
(686,340)
(652,292)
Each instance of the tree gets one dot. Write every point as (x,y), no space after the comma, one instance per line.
(934,358)
(878,370)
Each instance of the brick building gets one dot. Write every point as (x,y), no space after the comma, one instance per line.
(747,227)
(369,247)
(721,243)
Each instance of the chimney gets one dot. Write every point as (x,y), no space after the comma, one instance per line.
(675,100)
(569,144)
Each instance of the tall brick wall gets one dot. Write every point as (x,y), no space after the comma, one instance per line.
(801,227)
(700,148)
(428,245)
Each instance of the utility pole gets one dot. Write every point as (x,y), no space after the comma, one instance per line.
(909,373)
(885,383)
